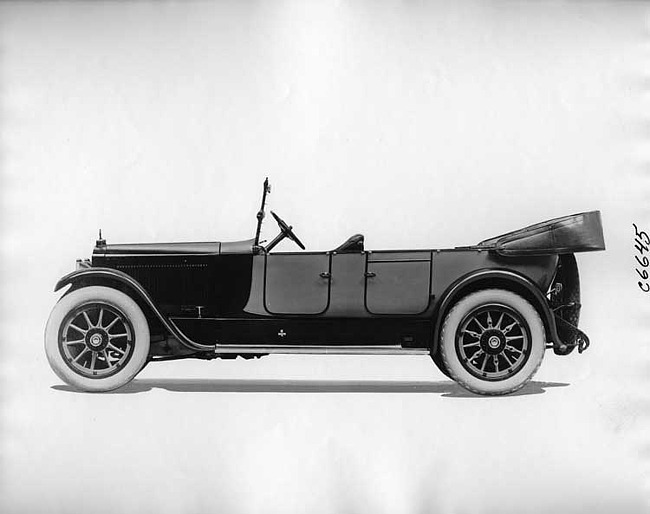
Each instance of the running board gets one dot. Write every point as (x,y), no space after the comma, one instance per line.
(320,350)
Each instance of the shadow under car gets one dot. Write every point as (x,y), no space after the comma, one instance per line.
(446,388)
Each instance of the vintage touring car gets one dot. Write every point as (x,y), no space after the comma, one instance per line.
(485,313)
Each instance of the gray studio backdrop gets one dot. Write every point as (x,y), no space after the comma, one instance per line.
(419,124)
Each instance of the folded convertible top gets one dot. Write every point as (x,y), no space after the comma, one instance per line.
(581,232)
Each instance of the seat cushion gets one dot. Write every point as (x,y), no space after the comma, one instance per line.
(353,244)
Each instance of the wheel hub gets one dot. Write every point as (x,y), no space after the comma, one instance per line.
(493,341)
(97,339)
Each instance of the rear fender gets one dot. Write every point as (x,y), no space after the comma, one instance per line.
(502,279)
(120,280)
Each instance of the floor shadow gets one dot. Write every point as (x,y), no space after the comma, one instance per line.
(529,389)
(446,388)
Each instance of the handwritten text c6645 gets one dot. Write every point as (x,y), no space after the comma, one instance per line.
(642,244)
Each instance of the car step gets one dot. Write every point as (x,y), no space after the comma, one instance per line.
(328,350)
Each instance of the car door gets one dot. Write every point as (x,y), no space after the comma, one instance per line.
(398,283)
(297,283)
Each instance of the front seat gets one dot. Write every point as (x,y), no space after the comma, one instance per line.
(352,245)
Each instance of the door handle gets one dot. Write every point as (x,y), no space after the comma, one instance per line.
(370,274)
(325,274)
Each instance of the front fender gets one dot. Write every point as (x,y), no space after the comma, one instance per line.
(105,273)
(109,277)
(497,278)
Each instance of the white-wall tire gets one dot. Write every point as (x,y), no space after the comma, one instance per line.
(97,339)
(478,351)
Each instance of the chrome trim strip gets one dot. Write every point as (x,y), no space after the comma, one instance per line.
(398,260)
(177,254)
(320,350)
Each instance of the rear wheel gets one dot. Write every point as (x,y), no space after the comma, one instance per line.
(97,339)
(492,342)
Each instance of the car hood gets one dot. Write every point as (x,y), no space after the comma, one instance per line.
(211,248)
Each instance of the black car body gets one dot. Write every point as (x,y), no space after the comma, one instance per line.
(229,299)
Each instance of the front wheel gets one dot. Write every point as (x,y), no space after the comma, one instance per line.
(97,339)
(492,342)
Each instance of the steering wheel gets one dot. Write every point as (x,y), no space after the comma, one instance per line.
(286,230)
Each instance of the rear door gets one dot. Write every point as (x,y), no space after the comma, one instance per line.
(398,282)
(297,283)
